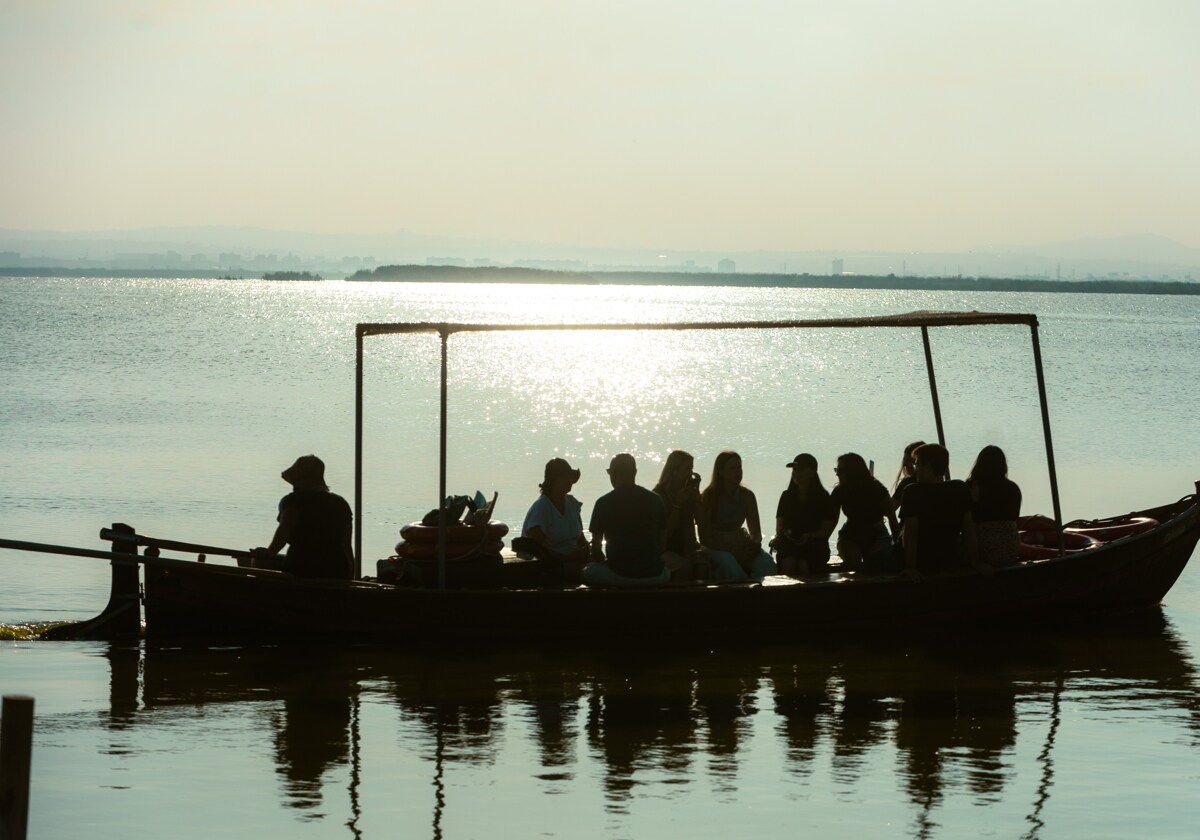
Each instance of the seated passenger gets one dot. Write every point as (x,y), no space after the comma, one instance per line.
(804,520)
(679,488)
(995,506)
(631,520)
(314,524)
(555,520)
(937,516)
(725,506)
(905,476)
(863,541)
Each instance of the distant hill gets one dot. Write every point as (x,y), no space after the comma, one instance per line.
(1141,247)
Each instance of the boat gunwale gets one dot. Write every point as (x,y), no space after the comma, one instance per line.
(1052,592)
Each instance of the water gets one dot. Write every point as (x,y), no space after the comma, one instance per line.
(173,405)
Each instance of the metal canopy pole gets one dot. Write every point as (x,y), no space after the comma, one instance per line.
(1041,383)
(358,451)
(445,335)
(933,392)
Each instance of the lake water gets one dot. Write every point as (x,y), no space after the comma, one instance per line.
(172,405)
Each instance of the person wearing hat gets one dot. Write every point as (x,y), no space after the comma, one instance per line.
(313,523)
(630,522)
(555,519)
(804,520)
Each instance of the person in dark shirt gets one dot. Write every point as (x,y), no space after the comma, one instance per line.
(313,523)
(804,520)
(629,521)
(863,540)
(905,476)
(995,506)
(937,516)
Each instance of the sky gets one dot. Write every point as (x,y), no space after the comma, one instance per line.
(788,125)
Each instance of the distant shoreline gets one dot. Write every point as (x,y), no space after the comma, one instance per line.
(506,274)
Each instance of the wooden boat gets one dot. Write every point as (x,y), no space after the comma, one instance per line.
(182,598)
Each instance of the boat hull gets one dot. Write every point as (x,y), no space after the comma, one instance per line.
(184,599)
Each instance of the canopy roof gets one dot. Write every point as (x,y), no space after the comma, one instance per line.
(924,318)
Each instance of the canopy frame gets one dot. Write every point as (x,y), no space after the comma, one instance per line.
(924,320)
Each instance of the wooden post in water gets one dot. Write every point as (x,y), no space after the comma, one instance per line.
(16,745)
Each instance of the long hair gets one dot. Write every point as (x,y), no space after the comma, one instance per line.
(716,485)
(906,463)
(814,481)
(990,466)
(671,470)
(853,472)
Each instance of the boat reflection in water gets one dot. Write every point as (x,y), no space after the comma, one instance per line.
(919,723)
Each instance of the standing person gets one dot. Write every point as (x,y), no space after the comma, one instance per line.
(937,516)
(906,475)
(631,520)
(314,524)
(804,519)
(679,488)
(863,540)
(995,506)
(555,520)
(725,506)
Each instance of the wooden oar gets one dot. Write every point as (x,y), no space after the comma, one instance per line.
(152,542)
(68,550)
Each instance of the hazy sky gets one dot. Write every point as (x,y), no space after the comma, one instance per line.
(886,124)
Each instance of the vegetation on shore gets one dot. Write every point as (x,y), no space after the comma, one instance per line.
(28,632)
(484,274)
(291,275)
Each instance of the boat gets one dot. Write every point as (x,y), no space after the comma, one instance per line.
(1098,567)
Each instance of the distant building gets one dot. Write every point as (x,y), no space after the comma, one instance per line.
(838,267)
(458,261)
(727,267)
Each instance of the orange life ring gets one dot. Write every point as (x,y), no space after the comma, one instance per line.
(465,535)
(1114,529)
(1042,544)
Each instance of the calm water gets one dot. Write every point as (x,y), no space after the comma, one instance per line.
(173,405)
